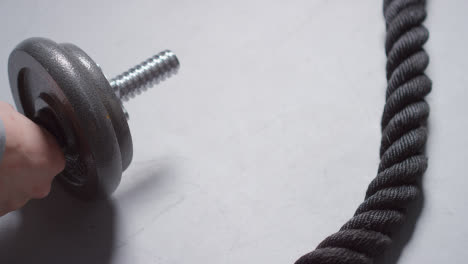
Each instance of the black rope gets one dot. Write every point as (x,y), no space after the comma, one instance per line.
(404,134)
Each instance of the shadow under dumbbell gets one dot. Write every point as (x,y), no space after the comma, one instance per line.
(61,229)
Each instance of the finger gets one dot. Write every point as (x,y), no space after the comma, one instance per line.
(12,204)
(41,188)
(42,148)
(6,106)
(54,152)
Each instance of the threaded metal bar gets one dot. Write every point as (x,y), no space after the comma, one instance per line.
(146,74)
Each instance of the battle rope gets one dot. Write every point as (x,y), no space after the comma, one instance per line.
(402,161)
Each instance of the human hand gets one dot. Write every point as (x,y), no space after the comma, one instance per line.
(31,160)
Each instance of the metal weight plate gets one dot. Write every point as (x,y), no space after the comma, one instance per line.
(52,87)
(110,101)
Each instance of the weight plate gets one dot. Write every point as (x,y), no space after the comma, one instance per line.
(110,101)
(51,87)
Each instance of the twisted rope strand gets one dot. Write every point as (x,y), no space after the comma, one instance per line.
(402,162)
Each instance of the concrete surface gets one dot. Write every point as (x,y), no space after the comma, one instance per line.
(264,143)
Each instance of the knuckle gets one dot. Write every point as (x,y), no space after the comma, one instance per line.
(41,191)
(45,162)
(53,161)
(57,161)
(40,162)
(6,105)
(7,108)
(15,204)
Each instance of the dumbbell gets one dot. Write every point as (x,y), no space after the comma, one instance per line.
(62,89)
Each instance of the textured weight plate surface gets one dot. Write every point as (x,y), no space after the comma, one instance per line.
(110,101)
(51,87)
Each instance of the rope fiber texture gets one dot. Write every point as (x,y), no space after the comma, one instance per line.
(402,161)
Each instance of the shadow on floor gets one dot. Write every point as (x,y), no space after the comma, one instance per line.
(64,229)
(61,229)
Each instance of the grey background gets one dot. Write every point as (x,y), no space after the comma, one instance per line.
(264,143)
